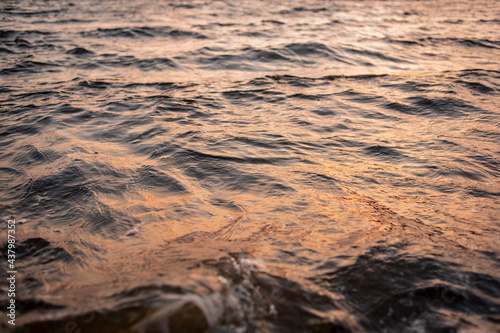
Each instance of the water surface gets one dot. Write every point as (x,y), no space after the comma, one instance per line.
(252,166)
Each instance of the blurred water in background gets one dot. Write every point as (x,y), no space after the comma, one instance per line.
(252,166)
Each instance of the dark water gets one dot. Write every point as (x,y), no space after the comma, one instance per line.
(251,166)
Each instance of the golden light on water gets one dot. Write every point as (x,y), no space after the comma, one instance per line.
(247,166)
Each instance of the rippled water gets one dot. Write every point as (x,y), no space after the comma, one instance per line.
(252,166)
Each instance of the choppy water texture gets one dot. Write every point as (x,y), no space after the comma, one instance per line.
(252,166)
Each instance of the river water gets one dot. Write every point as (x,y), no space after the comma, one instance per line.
(251,166)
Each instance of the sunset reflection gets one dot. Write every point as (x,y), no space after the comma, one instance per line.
(250,166)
